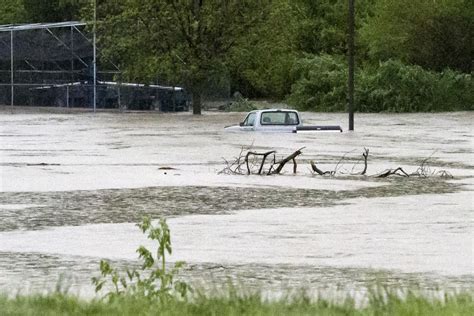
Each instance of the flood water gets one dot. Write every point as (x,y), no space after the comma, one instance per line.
(73,185)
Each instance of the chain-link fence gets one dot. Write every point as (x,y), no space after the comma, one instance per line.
(52,65)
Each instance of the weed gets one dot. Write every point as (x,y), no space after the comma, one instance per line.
(153,280)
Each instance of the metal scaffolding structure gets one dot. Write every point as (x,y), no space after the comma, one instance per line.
(57,64)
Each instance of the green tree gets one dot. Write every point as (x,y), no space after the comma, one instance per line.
(322,25)
(51,10)
(433,34)
(184,41)
(261,63)
(12,11)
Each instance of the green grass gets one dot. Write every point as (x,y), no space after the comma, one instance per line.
(380,302)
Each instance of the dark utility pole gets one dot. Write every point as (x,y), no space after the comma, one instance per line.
(351,47)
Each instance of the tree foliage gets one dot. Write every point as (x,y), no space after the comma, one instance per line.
(34,11)
(389,86)
(12,11)
(322,25)
(320,83)
(51,10)
(185,41)
(280,48)
(434,34)
(260,65)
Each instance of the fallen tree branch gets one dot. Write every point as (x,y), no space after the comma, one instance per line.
(283,162)
(235,166)
(319,171)
(264,155)
(389,172)
(366,157)
(424,170)
(341,160)
(253,162)
(445,174)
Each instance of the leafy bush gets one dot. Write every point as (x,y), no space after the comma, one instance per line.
(239,104)
(396,87)
(454,91)
(321,85)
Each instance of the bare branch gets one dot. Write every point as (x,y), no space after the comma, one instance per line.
(445,174)
(340,160)
(253,153)
(319,171)
(366,156)
(283,162)
(390,172)
(253,162)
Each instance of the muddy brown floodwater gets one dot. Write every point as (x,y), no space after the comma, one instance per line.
(73,185)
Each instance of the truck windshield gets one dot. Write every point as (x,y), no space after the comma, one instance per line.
(279,118)
(250,120)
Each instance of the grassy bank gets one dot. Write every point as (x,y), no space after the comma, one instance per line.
(155,289)
(378,303)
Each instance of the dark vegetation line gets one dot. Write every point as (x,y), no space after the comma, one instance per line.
(411,56)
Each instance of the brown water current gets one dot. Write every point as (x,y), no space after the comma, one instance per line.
(73,185)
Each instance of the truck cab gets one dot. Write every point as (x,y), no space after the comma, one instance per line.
(277,121)
(272,120)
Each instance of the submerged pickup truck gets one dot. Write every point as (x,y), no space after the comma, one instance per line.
(278,121)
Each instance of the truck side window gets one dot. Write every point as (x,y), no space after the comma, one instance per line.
(250,120)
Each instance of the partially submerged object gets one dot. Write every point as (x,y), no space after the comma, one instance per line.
(278,121)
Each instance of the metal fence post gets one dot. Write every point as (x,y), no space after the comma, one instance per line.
(12,70)
(67,97)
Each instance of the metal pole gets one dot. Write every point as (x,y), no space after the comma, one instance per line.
(351,47)
(67,96)
(72,64)
(95,56)
(72,54)
(119,99)
(11,71)
(174,100)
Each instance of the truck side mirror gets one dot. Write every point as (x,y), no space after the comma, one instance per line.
(241,123)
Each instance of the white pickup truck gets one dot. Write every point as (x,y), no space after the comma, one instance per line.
(278,121)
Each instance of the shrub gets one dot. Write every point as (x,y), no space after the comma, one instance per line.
(239,104)
(320,84)
(391,86)
(454,91)
(395,87)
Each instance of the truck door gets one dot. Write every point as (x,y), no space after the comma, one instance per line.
(249,123)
